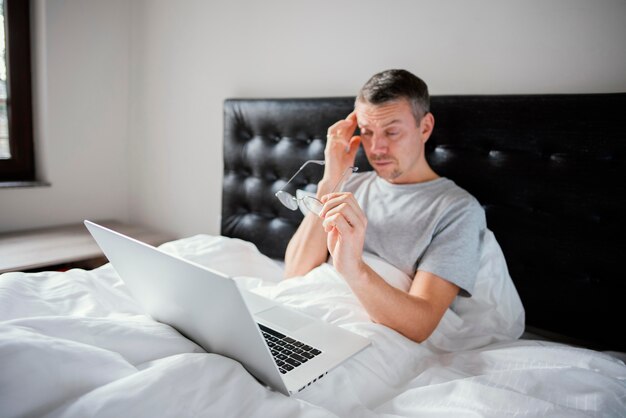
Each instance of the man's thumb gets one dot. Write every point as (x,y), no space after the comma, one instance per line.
(355,141)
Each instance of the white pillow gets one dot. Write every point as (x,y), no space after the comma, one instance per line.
(494,313)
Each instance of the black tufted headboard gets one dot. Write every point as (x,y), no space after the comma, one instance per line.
(548,169)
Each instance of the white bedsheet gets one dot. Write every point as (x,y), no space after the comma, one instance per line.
(76,344)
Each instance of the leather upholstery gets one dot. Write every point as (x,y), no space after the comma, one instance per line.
(548,169)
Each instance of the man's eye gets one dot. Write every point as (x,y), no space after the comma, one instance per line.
(393,133)
(366,133)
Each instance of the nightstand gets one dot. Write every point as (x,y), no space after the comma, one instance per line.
(63,247)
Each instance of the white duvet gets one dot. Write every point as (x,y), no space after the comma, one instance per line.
(76,344)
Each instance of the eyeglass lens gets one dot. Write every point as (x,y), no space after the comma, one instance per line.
(287,199)
(311,203)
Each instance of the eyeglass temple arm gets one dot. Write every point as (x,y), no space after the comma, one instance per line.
(318,162)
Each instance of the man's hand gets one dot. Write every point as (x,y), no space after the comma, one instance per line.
(340,151)
(345,225)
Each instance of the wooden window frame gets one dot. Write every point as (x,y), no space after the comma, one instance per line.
(21,165)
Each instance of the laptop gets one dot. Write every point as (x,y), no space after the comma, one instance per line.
(282,348)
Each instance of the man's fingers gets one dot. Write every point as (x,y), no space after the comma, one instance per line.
(334,127)
(339,222)
(345,205)
(343,128)
(338,197)
(355,141)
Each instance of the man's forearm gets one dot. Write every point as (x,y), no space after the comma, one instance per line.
(307,248)
(410,315)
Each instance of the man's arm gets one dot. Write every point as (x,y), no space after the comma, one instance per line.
(307,248)
(415,314)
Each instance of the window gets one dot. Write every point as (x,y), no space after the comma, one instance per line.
(16,127)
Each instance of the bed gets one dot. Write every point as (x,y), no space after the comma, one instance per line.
(549,171)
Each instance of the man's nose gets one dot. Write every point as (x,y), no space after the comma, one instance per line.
(379,143)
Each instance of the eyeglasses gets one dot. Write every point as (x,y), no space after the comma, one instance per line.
(310,202)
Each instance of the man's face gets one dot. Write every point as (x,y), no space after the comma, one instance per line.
(392,140)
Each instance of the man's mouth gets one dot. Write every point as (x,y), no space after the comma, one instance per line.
(381,161)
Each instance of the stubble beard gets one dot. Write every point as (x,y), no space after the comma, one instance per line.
(395,173)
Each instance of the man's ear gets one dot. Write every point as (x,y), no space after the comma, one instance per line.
(427,125)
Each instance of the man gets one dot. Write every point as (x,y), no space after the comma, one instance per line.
(403,211)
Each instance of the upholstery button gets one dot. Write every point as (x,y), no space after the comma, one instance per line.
(558,157)
(442,152)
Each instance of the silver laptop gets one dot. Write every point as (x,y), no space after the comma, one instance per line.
(282,348)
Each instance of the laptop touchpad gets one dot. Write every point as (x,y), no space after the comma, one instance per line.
(284,318)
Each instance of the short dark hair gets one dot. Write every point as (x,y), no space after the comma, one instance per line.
(391,85)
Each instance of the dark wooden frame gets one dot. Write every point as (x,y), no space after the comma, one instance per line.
(21,165)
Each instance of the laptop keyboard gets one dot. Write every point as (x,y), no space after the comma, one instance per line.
(288,353)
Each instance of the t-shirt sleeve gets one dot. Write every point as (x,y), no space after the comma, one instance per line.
(455,249)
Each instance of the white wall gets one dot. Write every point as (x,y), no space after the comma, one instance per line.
(81,111)
(189,56)
(133,90)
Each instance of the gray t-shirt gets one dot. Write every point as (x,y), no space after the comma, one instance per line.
(434,226)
